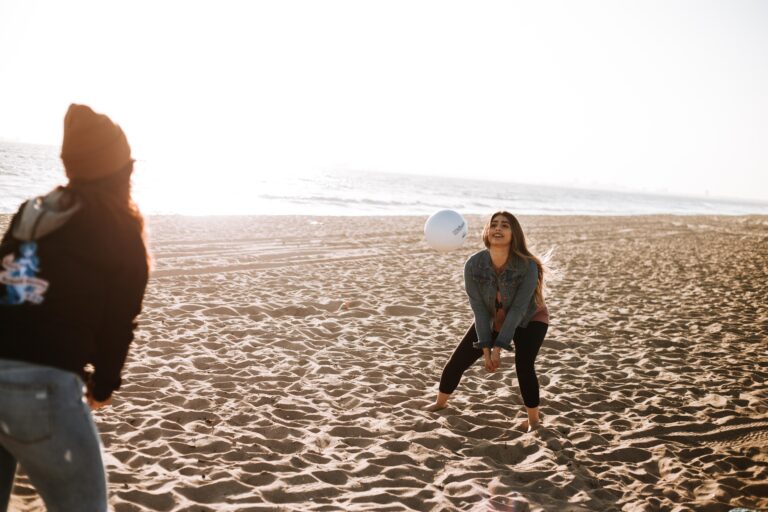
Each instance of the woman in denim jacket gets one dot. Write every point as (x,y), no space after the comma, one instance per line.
(504,284)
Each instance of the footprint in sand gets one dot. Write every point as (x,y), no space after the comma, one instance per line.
(404,311)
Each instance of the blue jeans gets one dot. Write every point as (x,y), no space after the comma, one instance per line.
(47,428)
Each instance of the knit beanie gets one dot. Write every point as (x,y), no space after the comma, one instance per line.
(93,146)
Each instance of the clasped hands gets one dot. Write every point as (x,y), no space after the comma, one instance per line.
(492,358)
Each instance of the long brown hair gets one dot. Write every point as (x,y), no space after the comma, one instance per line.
(112,195)
(518,249)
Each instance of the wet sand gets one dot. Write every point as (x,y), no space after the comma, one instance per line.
(282,363)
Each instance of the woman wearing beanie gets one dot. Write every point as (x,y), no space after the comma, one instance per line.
(73,270)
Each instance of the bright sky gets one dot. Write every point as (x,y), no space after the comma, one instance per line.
(636,95)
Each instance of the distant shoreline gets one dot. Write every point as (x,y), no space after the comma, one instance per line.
(27,170)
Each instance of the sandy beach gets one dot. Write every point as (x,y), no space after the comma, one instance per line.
(281,363)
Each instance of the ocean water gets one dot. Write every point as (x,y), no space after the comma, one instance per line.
(28,170)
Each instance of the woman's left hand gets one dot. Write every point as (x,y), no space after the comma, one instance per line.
(496,358)
(487,360)
(94,404)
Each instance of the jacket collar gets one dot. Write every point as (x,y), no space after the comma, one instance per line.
(45,214)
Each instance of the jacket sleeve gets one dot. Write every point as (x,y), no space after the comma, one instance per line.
(519,306)
(482,316)
(122,304)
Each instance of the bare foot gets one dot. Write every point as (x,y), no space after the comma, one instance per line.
(526,427)
(533,426)
(435,407)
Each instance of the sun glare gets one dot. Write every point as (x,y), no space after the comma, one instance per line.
(501,91)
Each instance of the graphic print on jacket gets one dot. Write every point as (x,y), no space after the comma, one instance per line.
(20,277)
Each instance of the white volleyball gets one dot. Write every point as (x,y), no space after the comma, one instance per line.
(445,230)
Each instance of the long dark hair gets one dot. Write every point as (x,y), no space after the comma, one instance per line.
(518,249)
(112,195)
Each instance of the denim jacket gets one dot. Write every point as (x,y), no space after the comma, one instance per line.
(517,283)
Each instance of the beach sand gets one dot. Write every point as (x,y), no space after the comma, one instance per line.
(281,364)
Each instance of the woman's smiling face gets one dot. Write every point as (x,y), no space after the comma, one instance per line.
(500,232)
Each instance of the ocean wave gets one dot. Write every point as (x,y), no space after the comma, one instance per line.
(30,170)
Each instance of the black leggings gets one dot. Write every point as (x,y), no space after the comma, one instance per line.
(527,340)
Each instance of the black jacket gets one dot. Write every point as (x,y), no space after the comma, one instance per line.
(72,277)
